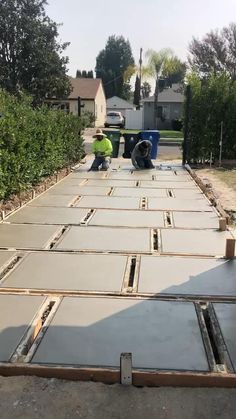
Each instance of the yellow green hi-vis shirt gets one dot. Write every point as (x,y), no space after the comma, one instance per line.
(104,146)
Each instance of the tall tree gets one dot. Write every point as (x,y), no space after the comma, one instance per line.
(90,74)
(78,74)
(30,54)
(111,65)
(216,52)
(137,92)
(84,74)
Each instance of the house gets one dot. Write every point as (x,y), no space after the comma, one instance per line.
(92,97)
(118,104)
(170,107)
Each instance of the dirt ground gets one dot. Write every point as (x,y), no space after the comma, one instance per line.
(223,184)
(36,398)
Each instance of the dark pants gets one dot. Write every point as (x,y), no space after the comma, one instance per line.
(102,162)
(144,163)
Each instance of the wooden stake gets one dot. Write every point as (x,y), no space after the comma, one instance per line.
(222,224)
(230,248)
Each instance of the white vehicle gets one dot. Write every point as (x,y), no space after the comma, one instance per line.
(114,119)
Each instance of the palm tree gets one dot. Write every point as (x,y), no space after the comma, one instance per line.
(164,64)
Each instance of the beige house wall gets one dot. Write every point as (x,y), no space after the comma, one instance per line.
(100,108)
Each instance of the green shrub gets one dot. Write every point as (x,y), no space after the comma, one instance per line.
(213,101)
(34,143)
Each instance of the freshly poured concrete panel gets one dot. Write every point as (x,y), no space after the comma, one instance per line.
(87,175)
(226,315)
(128,218)
(175,204)
(79,190)
(168,184)
(106,239)
(5,258)
(191,276)
(102,273)
(17,312)
(95,331)
(140,192)
(48,215)
(113,202)
(111,183)
(199,220)
(26,236)
(48,200)
(135,175)
(197,242)
(187,193)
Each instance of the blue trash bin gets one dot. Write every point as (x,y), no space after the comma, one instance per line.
(154,137)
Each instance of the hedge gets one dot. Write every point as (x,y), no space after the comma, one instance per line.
(213,101)
(34,143)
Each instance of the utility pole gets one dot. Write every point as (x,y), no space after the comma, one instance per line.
(140,75)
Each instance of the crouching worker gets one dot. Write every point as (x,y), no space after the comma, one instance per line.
(102,148)
(141,155)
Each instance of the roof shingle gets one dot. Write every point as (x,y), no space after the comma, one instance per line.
(85,88)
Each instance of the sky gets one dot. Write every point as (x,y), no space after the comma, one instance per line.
(150,24)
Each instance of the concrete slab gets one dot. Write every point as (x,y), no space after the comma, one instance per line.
(128,218)
(79,190)
(201,220)
(197,242)
(48,200)
(100,273)
(138,175)
(113,202)
(18,236)
(95,331)
(187,193)
(111,182)
(5,258)
(48,215)
(168,184)
(187,276)
(226,315)
(17,312)
(140,192)
(175,204)
(170,174)
(87,175)
(105,239)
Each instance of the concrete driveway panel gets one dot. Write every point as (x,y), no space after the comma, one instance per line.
(140,192)
(95,331)
(197,242)
(200,220)
(171,184)
(5,258)
(176,204)
(101,273)
(113,202)
(79,190)
(128,218)
(48,200)
(105,239)
(17,312)
(48,215)
(191,276)
(226,316)
(112,183)
(20,236)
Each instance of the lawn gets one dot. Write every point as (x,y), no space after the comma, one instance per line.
(163,133)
